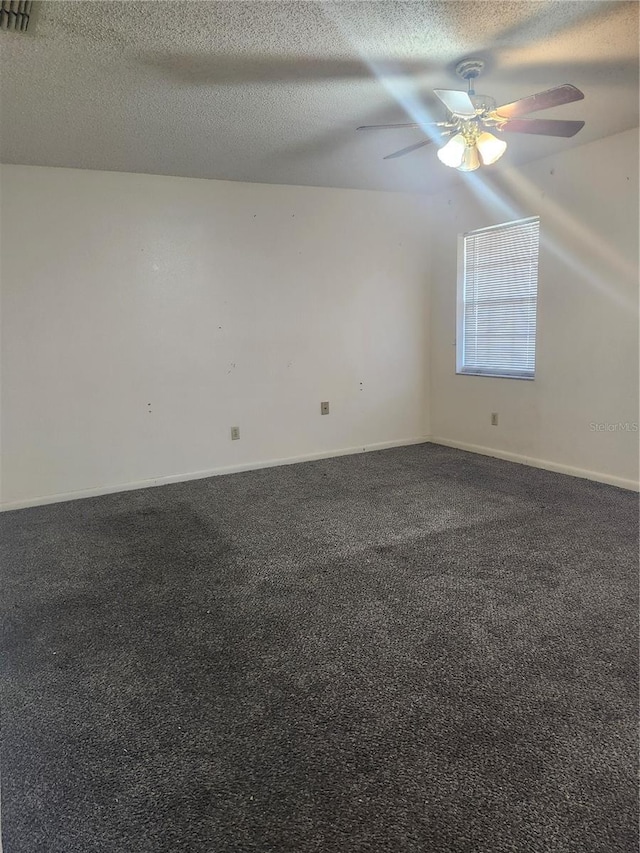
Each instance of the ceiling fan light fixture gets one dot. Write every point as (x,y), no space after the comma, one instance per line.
(470,159)
(490,148)
(452,154)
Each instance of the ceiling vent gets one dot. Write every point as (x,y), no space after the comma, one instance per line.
(14,15)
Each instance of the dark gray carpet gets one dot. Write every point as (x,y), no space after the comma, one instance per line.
(412,650)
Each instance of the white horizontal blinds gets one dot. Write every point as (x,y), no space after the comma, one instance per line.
(500,294)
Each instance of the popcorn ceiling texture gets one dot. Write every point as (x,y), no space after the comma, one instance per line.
(272,92)
(413,651)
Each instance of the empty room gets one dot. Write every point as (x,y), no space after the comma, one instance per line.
(319,426)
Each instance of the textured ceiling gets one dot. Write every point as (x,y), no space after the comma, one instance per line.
(272,92)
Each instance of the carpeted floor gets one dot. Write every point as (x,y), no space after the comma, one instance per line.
(413,650)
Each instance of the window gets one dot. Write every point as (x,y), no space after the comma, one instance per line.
(497,295)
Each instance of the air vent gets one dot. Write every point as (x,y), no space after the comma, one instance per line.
(14,15)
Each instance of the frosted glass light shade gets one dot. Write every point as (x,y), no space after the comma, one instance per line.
(490,147)
(470,159)
(453,152)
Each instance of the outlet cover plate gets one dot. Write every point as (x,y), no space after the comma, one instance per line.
(324,408)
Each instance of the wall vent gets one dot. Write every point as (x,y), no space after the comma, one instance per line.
(14,15)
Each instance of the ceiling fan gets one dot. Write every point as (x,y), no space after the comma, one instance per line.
(474,116)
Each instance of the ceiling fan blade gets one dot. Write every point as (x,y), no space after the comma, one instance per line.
(456,102)
(407,150)
(541,126)
(386,126)
(400,126)
(555,97)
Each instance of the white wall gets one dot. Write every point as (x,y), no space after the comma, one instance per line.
(587,340)
(143,316)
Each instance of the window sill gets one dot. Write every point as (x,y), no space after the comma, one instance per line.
(494,375)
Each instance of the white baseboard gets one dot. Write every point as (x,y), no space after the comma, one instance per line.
(598,476)
(324,454)
(199,475)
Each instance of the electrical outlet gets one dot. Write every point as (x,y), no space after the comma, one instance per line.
(235,433)
(324,408)
(494,419)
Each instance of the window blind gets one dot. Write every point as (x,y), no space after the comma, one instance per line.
(499,296)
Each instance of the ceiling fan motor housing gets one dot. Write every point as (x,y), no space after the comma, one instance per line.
(483,103)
